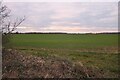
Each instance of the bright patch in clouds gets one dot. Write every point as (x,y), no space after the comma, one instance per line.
(66,17)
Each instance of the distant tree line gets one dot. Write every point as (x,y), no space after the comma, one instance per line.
(64,33)
(40,33)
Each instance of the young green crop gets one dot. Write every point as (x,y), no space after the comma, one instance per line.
(64,41)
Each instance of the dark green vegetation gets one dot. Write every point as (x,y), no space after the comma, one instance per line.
(98,51)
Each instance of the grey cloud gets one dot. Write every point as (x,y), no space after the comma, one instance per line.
(40,15)
(96,12)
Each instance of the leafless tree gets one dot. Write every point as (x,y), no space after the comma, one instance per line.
(6,24)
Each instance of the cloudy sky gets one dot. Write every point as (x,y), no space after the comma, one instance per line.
(75,17)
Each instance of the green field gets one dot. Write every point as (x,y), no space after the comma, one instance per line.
(64,41)
(92,50)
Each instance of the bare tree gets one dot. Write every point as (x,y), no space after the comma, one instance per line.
(6,24)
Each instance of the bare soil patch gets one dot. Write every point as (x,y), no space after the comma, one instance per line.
(20,65)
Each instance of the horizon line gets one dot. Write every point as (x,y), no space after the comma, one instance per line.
(69,32)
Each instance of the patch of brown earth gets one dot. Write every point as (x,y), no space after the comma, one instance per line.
(19,65)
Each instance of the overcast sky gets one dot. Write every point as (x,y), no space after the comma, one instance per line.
(66,16)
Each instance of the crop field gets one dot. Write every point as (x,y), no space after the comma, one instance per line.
(98,51)
(65,41)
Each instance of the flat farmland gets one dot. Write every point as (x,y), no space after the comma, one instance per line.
(98,51)
(65,41)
